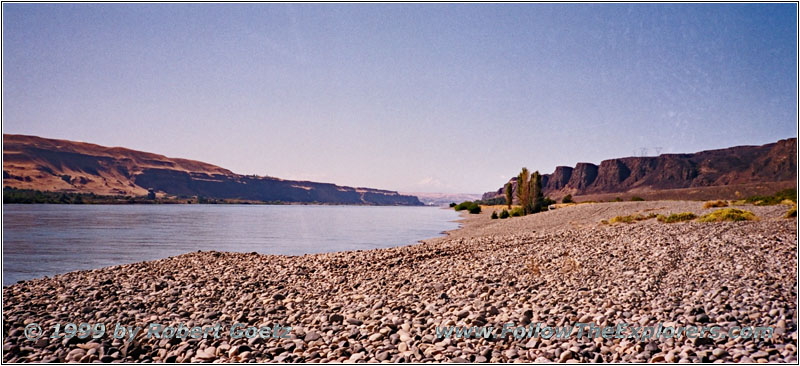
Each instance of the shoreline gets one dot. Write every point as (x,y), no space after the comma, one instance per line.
(244,203)
(385,304)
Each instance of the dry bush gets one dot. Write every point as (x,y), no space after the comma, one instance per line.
(720,203)
(569,264)
(533,266)
(631,218)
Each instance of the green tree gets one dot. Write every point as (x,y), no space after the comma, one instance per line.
(509,191)
(523,190)
(537,196)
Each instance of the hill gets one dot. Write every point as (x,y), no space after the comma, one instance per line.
(31,162)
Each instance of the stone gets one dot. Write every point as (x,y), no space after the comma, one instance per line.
(354,321)
(335,318)
(356,357)
(311,336)
(382,356)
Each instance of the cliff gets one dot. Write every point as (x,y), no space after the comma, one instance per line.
(31,162)
(740,165)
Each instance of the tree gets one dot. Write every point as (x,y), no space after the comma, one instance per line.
(509,193)
(537,197)
(523,187)
(532,193)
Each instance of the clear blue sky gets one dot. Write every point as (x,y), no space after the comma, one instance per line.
(415,97)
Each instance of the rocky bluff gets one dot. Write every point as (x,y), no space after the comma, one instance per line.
(775,162)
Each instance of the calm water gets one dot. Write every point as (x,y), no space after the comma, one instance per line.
(43,240)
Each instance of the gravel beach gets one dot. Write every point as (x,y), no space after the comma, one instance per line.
(557,267)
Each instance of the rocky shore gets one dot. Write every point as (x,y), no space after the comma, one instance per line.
(556,267)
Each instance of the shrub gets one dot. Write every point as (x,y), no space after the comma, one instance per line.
(517,211)
(787,194)
(471,207)
(710,204)
(452,204)
(492,201)
(474,209)
(631,218)
(637,198)
(533,266)
(569,264)
(504,214)
(678,217)
(776,198)
(728,214)
(625,219)
(791,213)
(617,199)
(494,215)
(13,195)
(567,199)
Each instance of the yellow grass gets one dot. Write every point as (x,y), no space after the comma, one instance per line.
(683,216)
(631,218)
(728,214)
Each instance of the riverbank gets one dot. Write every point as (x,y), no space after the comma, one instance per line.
(556,267)
(29,196)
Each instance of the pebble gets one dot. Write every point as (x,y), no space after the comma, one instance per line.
(384,305)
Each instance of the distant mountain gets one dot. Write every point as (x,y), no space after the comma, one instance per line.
(31,162)
(675,173)
(444,199)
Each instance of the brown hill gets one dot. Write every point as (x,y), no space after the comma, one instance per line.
(751,169)
(31,162)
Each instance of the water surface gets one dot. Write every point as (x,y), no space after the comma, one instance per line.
(43,240)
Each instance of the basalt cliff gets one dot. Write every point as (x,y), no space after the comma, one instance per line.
(725,173)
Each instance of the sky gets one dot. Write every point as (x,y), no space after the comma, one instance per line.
(452,98)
